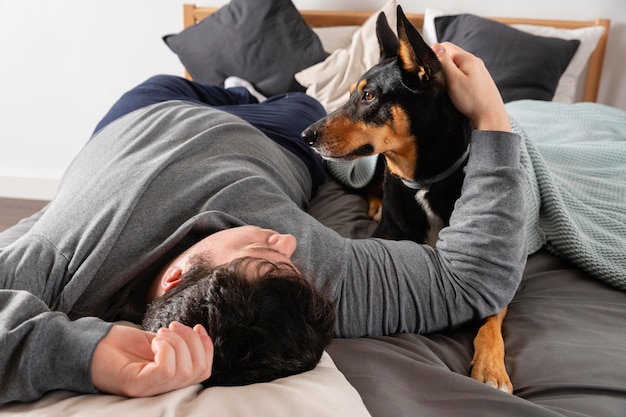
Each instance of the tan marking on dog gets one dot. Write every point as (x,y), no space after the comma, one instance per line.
(340,136)
(361,84)
(409,61)
(400,148)
(407,56)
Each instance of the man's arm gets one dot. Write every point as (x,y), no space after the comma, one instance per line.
(43,350)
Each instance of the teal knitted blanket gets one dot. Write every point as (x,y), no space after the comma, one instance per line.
(575,159)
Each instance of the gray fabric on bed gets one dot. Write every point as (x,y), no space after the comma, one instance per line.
(565,353)
(564,337)
(342,210)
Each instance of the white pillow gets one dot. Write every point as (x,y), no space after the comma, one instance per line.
(335,37)
(568,89)
(429,32)
(329,81)
(323,391)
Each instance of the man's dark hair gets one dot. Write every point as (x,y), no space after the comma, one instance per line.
(271,325)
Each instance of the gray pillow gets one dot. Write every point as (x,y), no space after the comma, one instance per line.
(524,66)
(265,42)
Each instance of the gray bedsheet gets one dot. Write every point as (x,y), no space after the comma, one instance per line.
(565,352)
(565,340)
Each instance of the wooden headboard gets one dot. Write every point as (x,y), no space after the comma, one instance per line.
(323,18)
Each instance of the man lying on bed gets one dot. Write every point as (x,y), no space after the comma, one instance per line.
(168,188)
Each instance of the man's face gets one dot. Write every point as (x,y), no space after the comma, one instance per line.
(224,247)
(247,241)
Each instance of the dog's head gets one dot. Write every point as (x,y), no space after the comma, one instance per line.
(397,108)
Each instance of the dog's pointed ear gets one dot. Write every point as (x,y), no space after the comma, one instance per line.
(415,56)
(387,40)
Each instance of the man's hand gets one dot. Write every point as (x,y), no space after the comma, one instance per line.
(471,88)
(136,363)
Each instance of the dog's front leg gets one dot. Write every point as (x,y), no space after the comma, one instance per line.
(488,362)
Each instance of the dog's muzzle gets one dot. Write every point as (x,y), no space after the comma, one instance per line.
(310,135)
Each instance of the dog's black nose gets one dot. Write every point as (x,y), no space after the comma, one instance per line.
(310,135)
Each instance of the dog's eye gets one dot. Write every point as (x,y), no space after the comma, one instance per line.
(367,96)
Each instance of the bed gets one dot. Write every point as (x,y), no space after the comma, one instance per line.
(564,333)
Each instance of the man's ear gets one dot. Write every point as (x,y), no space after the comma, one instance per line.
(171,278)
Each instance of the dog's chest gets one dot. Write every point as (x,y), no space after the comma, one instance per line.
(435,223)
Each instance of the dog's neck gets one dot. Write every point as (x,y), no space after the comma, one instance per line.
(425,183)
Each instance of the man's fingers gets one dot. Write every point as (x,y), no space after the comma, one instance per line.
(444,57)
(164,365)
(449,51)
(198,346)
(184,354)
(207,350)
(448,55)
(454,60)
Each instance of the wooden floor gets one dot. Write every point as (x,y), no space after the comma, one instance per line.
(12,210)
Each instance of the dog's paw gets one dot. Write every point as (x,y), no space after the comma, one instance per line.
(491,371)
(488,361)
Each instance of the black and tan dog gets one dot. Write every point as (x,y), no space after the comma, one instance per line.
(400,109)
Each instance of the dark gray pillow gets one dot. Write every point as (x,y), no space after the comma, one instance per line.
(524,66)
(263,41)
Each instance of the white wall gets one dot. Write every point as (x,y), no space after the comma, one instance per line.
(64,62)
